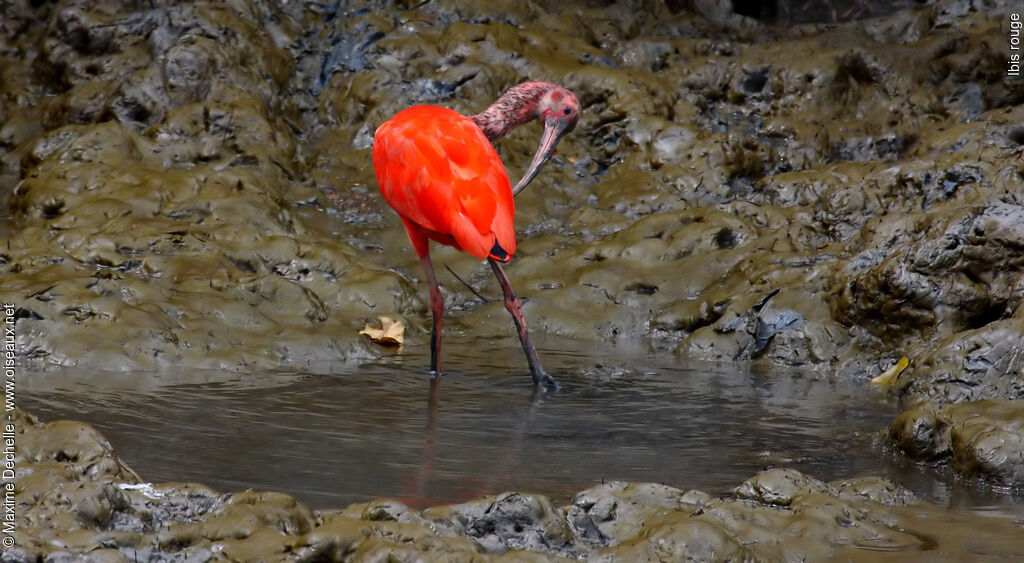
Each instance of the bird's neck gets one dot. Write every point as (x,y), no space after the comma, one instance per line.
(515,107)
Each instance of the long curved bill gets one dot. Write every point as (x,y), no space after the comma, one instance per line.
(552,134)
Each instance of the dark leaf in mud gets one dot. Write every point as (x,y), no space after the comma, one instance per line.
(770,323)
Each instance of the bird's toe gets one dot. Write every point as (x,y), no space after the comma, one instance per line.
(547,382)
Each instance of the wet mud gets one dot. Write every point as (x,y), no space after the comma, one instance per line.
(189,184)
(77,500)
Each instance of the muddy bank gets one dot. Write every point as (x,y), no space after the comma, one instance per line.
(193,182)
(76,500)
(981,440)
(157,216)
(189,184)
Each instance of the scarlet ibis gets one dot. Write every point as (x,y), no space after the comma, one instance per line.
(437,169)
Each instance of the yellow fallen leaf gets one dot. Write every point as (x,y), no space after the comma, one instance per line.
(389,333)
(889,376)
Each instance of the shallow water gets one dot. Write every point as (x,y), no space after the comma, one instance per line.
(377,430)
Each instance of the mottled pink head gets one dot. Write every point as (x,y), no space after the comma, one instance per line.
(556,107)
(560,107)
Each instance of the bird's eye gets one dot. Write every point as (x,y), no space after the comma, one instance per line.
(567,110)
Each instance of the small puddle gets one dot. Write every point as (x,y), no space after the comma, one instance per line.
(376,430)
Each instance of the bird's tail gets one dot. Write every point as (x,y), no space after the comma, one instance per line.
(499,253)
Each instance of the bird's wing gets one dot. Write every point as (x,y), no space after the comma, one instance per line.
(436,169)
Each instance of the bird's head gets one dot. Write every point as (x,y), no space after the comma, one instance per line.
(559,110)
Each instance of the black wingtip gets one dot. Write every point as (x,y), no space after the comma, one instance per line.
(499,253)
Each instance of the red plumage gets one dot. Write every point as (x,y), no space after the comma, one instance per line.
(436,169)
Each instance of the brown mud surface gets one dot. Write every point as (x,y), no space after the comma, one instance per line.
(189,184)
(78,502)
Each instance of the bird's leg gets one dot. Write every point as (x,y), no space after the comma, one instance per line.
(437,307)
(540,377)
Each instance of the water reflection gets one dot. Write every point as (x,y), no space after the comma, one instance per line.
(381,430)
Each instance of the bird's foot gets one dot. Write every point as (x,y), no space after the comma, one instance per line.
(545,381)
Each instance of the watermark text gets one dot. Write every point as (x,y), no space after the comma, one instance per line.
(8,468)
(1013,61)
